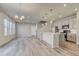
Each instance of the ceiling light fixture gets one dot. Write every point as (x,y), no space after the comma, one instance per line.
(65,5)
(16,17)
(51,22)
(19,17)
(22,17)
(45,23)
(75,9)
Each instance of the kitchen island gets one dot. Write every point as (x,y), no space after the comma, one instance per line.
(51,39)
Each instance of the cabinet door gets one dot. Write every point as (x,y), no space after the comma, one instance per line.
(61,40)
(71,37)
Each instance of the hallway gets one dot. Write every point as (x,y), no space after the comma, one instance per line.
(33,47)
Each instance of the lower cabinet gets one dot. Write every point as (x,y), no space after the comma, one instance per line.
(71,37)
(61,39)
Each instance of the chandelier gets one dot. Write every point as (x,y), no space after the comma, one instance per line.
(19,9)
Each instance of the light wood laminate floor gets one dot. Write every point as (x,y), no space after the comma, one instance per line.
(34,47)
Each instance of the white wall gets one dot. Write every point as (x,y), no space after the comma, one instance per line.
(26,30)
(4,39)
(33,29)
(43,28)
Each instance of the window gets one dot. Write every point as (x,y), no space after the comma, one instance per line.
(9,27)
(5,27)
(13,28)
(10,32)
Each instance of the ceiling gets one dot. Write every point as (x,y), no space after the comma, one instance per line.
(35,12)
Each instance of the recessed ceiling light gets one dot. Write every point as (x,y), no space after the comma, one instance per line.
(65,5)
(16,17)
(21,18)
(45,23)
(75,9)
(51,21)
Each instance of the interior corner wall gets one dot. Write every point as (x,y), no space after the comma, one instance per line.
(4,39)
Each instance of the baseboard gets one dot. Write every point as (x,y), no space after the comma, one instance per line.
(7,42)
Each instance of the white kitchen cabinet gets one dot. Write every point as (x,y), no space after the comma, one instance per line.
(71,37)
(52,39)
